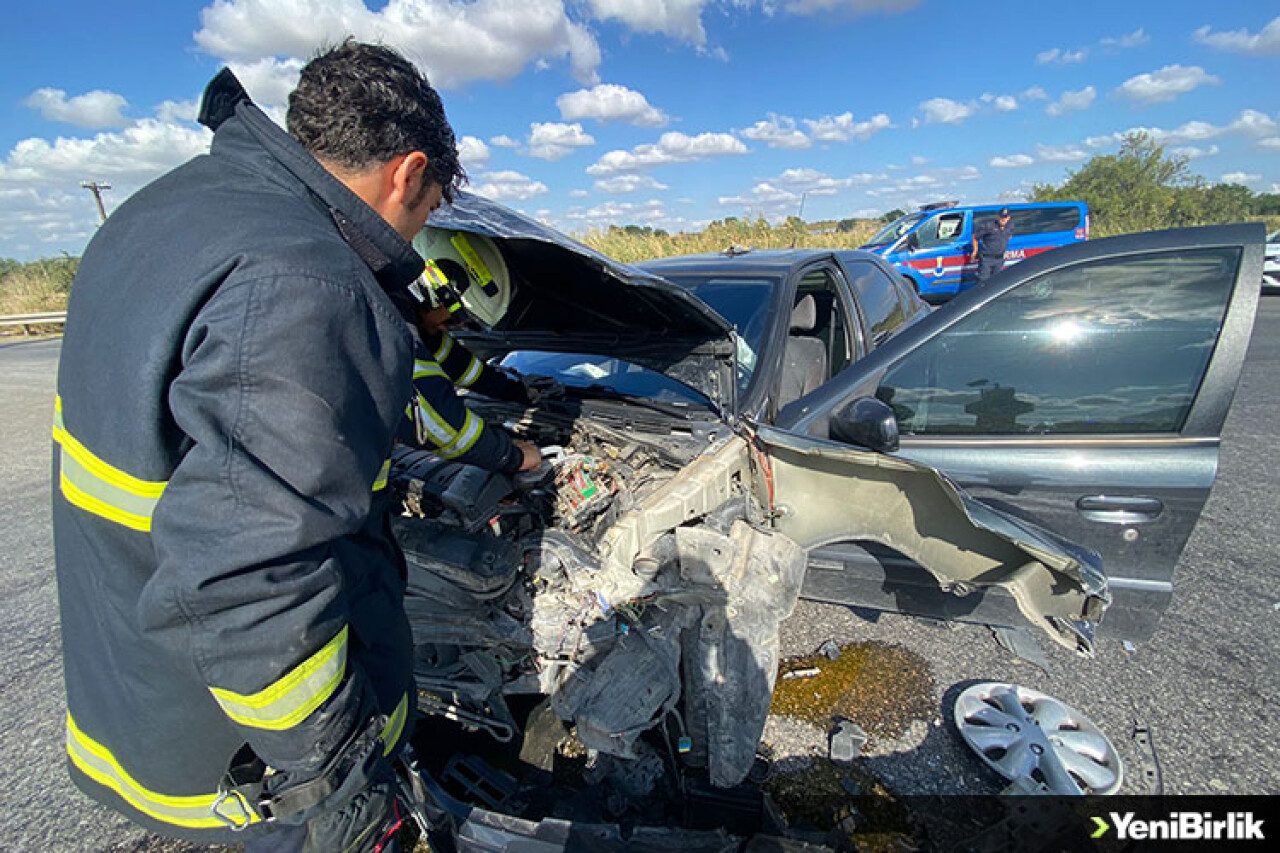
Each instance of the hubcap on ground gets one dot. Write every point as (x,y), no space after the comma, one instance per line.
(1023,733)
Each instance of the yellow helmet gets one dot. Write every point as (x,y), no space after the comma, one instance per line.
(464,272)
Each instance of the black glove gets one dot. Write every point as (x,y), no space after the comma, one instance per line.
(538,388)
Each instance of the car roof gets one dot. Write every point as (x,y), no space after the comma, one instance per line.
(752,261)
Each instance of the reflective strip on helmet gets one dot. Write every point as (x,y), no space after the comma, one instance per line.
(291,699)
(97,487)
(445,347)
(434,274)
(422,369)
(472,260)
(472,373)
(466,437)
(380,482)
(96,761)
(437,429)
(395,725)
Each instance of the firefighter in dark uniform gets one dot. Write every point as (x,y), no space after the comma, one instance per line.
(989,243)
(458,283)
(238,662)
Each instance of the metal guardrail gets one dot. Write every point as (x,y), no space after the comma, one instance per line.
(26,321)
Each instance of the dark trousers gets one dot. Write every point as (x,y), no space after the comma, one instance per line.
(989,265)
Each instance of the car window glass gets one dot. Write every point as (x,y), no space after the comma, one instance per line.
(1035,220)
(831,326)
(1111,346)
(940,230)
(878,298)
(745,301)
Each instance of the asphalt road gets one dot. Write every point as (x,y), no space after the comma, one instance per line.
(1207,685)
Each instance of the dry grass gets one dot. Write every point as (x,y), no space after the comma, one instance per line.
(632,245)
(38,286)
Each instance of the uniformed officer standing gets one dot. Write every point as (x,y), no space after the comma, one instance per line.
(989,243)
(238,661)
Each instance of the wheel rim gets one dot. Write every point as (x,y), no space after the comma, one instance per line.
(1023,733)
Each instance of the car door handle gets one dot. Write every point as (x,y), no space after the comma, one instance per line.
(1119,509)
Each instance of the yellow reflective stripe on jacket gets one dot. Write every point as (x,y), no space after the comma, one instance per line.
(465,439)
(437,428)
(290,700)
(380,482)
(395,725)
(97,762)
(100,488)
(472,373)
(445,347)
(422,369)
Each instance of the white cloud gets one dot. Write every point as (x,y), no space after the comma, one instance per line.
(1003,103)
(1266,42)
(777,132)
(652,212)
(843,128)
(46,211)
(174,112)
(946,111)
(552,140)
(851,7)
(1081,99)
(270,80)
(671,147)
(1035,93)
(454,42)
(1192,152)
(1165,84)
(1240,178)
(1137,38)
(472,152)
(508,186)
(610,102)
(504,141)
(1061,153)
(782,195)
(579,194)
(918,160)
(131,156)
(1012,161)
(1061,56)
(96,109)
(677,19)
(628,184)
(1269,142)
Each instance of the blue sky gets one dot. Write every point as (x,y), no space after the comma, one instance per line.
(669,113)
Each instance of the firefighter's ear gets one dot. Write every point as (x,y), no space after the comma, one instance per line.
(409,178)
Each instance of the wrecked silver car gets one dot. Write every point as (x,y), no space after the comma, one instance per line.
(630,589)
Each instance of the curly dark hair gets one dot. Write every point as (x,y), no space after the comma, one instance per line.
(359,104)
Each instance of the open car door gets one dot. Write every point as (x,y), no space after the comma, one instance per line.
(1082,392)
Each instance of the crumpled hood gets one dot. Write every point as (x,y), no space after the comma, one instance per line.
(571,298)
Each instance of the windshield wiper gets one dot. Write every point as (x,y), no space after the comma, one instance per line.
(604,392)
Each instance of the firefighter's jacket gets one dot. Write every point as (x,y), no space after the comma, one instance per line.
(232,377)
(441,422)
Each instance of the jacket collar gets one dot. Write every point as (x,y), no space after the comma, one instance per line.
(226,109)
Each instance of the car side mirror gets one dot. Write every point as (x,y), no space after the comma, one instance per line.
(913,242)
(866,422)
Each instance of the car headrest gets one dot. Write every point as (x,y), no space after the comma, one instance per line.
(805,315)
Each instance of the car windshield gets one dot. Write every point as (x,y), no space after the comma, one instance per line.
(894,230)
(582,370)
(745,301)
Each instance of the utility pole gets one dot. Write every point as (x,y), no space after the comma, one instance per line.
(97,188)
(804,195)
